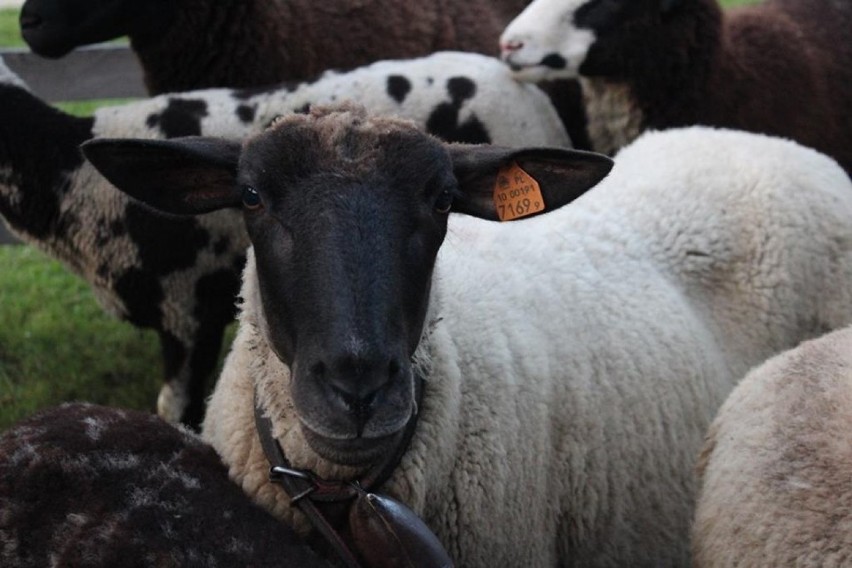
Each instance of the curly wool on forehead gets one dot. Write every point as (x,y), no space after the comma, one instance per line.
(345,131)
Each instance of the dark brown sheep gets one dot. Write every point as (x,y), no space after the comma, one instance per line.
(782,67)
(88,486)
(192,44)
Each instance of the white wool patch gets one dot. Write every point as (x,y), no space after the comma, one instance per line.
(236,546)
(24,453)
(94,427)
(169,472)
(142,497)
(77,519)
(10,182)
(115,461)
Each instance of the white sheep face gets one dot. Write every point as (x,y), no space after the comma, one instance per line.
(544,42)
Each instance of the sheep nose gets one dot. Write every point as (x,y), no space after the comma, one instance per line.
(509,46)
(358,382)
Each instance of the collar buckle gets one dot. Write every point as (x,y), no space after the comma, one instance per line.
(277,473)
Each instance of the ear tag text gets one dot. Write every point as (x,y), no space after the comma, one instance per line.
(516,194)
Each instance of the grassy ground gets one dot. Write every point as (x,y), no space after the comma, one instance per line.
(56,343)
(10,33)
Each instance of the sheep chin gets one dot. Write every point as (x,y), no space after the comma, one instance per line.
(529,73)
(353,451)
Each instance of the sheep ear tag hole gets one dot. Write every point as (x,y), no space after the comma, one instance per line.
(516,193)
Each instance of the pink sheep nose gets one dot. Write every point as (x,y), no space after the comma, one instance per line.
(511,45)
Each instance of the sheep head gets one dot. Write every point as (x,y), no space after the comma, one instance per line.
(346,214)
(52,28)
(554,39)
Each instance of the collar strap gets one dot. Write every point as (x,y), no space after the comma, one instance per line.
(323,501)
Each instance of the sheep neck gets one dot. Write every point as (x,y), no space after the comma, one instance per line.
(325,490)
(614,117)
(319,499)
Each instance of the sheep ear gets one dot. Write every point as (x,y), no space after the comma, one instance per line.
(486,173)
(182,176)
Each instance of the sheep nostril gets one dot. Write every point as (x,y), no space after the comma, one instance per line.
(510,46)
(354,401)
(393,369)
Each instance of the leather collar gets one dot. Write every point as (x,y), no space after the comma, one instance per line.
(326,502)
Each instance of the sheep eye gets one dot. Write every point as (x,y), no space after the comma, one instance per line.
(251,198)
(444,201)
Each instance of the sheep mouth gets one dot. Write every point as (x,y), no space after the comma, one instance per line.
(44,38)
(30,22)
(352,451)
(529,72)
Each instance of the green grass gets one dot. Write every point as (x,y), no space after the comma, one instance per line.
(86,108)
(10,32)
(57,344)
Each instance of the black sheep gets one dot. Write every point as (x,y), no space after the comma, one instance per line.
(88,486)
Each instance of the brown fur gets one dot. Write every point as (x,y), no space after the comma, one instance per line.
(244,43)
(89,486)
(783,67)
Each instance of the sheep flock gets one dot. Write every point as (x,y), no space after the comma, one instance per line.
(525,283)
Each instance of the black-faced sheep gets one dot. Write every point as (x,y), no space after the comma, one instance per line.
(776,467)
(180,276)
(570,363)
(89,486)
(193,44)
(782,67)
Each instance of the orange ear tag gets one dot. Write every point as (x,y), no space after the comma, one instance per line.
(516,194)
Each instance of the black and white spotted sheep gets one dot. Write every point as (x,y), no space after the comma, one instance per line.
(88,486)
(180,276)
(262,42)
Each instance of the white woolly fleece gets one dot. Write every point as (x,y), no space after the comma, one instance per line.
(776,465)
(575,359)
